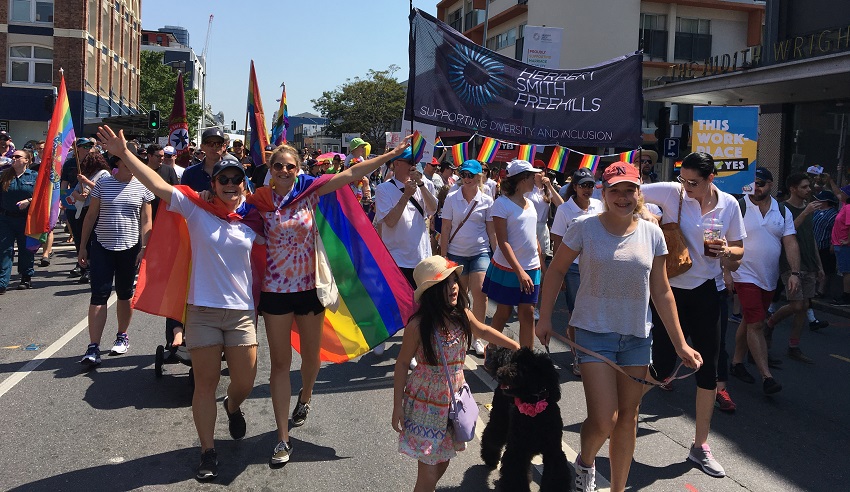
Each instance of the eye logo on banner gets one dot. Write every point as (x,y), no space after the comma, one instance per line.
(475,77)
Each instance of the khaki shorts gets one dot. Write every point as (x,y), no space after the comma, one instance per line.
(808,286)
(209,327)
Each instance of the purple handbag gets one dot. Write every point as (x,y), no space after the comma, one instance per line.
(463,410)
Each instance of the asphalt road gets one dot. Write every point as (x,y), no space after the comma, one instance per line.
(119,428)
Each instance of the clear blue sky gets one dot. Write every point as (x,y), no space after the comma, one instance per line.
(313,45)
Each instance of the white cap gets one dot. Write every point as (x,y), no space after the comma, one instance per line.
(816,170)
(169,150)
(517,166)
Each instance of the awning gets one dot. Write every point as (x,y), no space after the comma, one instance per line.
(815,79)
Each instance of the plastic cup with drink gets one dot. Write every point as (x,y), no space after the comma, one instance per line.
(712,234)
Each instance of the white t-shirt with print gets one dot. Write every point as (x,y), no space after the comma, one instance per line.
(569,211)
(763,244)
(471,239)
(522,232)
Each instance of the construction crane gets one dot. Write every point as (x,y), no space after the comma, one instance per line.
(207,42)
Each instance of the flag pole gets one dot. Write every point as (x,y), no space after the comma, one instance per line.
(245,130)
(412,60)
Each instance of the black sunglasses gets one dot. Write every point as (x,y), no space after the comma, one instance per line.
(237,180)
(761,184)
(586,185)
(278,166)
(646,161)
(214,143)
(467,175)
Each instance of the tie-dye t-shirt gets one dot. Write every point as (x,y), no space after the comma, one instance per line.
(290,238)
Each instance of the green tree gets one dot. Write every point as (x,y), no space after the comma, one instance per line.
(156,86)
(370,106)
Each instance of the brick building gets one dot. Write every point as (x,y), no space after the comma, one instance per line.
(95,42)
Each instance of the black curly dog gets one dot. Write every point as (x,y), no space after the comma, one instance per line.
(531,377)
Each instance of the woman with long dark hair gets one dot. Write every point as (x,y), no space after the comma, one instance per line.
(92,168)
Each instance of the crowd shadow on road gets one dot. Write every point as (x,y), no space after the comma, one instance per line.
(178,466)
(476,477)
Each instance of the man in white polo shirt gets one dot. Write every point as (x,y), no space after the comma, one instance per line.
(769,227)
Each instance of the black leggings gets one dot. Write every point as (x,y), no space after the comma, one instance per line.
(699,310)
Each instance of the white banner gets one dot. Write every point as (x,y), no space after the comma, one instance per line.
(542,46)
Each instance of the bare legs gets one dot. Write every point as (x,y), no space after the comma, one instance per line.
(427,476)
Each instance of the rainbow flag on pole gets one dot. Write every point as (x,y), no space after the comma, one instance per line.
(459,153)
(44,209)
(257,120)
(281,124)
(417,146)
(558,161)
(628,156)
(488,150)
(589,161)
(527,152)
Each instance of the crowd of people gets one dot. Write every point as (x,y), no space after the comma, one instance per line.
(463,234)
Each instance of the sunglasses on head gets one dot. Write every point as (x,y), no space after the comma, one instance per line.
(237,180)
(467,175)
(278,166)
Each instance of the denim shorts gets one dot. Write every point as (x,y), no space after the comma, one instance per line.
(471,264)
(842,255)
(623,350)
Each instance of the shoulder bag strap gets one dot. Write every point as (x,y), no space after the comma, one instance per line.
(448,376)
(681,197)
(472,209)
(413,201)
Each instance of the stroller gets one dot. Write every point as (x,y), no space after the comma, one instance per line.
(171,354)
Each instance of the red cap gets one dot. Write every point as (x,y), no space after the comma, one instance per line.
(619,172)
(539,163)
(434,161)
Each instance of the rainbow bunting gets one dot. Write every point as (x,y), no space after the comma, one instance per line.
(459,153)
(558,161)
(417,146)
(589,161)
(257,121)
(281,123)
(488,150)
(527,152)
(628,156)
(44,209)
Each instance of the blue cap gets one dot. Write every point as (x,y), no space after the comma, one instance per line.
(472,166)
(407,155)
(764,174)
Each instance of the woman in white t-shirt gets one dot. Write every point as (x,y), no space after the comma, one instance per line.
(513,277)
(220,311)
(543,195)
(468,235)
(620,253)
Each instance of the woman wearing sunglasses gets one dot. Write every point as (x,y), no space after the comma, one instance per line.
(697,290)
(220,312)
(16,188)
(579,203)
(289,285)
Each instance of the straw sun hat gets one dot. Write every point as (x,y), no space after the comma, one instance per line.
(431,271)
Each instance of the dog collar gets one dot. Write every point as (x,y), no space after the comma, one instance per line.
(530,409)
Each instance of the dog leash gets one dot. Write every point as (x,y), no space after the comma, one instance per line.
(674,376)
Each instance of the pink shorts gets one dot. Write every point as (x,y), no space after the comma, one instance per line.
(754,301)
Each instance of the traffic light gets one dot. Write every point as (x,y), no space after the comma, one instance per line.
(663,124)
(153,119)
(233,125)
(49,103)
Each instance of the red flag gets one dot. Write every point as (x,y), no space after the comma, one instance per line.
(257,120)
(178,125)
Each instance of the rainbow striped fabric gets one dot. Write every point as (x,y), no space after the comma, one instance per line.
(438,142)
(589,161)
(281,123)
(417,146)
(44,209)
(256,120)
(488,150)
(527,152)
(459,153)
(558,161)
(628,156)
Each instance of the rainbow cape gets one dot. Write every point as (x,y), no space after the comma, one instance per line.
(44,209)
(257,121)
(589,161)
(417,146)
(526,153)
(488,150)
(558,161)
(281,123)
(628,156)
(459,153)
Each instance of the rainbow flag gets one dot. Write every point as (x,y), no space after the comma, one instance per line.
(44,209)
(438,142)
(459,153)
(281,124)
(558,161)
(488,150)
(677,165)
(526,153)
(628,156)
(257,121)
(417,145)
(589,161)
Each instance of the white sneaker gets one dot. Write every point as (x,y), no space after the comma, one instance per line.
(585,478)
(536,314)
(478,345)
(121,345)
(379,349)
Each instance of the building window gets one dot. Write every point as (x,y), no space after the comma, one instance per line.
(693,39)
(503,40)
(93,16)
(455,20)
(653,35)
(30,64)
(32,11)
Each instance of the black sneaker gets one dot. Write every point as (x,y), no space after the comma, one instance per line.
(842,301)
(84,277)
(771,386)
(26,283)
(76,272)
(2,290)
(299,414)
(236,420)
(92,356)
(208,469)
(798,355)
(818,324)
(739,371)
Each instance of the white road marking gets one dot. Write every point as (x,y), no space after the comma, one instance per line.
(36,361)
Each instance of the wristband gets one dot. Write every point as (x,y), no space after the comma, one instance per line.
(796,274)
(420,185)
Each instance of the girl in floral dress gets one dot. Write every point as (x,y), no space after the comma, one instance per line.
(421,400)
